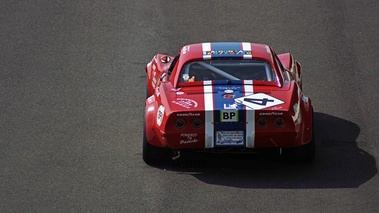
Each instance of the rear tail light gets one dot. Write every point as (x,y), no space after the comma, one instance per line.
(262,122)
(279,122)
(180,123)
(197,123)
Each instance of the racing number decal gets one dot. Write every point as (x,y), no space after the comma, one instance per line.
(262,102)
(258,101)
(160,115)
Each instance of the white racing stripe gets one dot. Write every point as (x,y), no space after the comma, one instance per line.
(250,116)
(206,47)
(246,47)
(208,106)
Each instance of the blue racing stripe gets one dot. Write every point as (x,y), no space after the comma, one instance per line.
(228,116)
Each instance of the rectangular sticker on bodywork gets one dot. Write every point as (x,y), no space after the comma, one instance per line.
(224,138)
(229,115)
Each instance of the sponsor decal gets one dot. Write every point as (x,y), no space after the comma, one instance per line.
(229,115)
(227,52)
(227,89)
(188,138)
(188,134)
(157,93)
(277,108)
(230,106)
(226,49)
(271,113)
(151,99)
(258,101)
(160,115)
(180,93)
(165,59)
(185,49)
(185,102)
(229,138)
(228,96)
(188,114)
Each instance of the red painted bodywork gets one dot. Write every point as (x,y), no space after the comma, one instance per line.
(163,90)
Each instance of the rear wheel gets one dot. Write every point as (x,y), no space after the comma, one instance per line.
(154,155)
(304,154)
(147,92)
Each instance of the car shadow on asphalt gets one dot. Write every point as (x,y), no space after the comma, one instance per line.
(339,163)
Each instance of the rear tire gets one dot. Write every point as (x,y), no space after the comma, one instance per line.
(154,155)
(147,92)
(303,154)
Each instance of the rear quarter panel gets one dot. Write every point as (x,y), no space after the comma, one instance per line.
(292,66)
(154,70)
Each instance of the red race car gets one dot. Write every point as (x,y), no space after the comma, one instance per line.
(226,97)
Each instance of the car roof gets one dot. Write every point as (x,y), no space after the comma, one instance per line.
(209,50)
(224,50)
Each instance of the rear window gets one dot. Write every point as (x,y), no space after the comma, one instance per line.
(227,69)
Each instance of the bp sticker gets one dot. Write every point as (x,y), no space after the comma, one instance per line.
(229,115)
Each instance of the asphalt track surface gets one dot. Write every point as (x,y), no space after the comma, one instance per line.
(72,89)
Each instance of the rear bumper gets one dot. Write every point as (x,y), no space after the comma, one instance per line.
(191,140)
